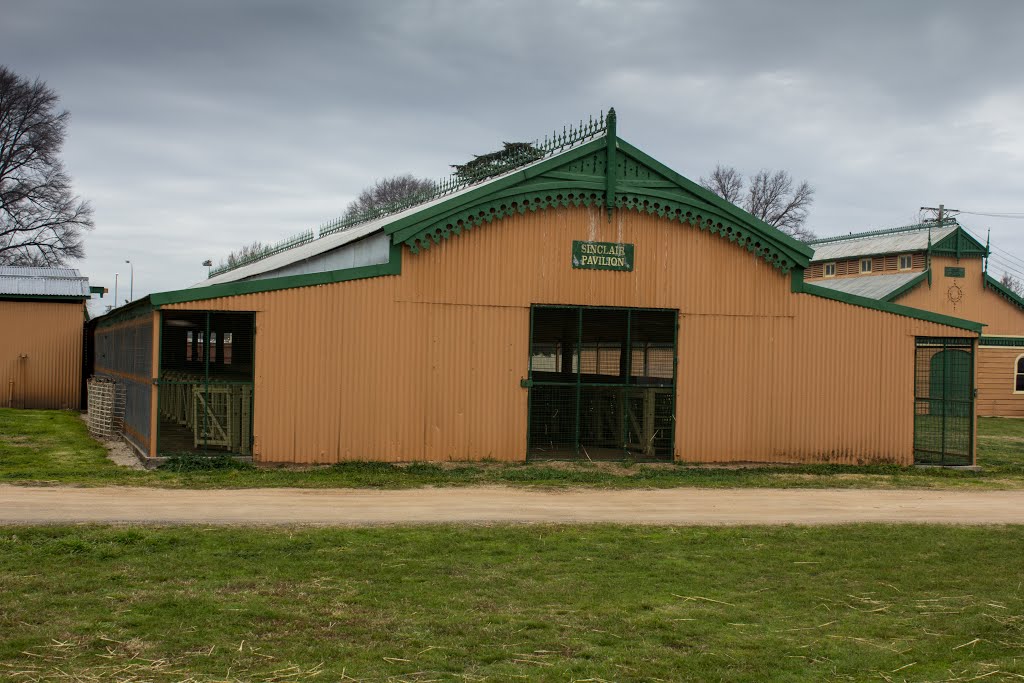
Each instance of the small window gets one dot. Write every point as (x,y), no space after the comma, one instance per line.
(830,270)
(1018,387)
(906,262)
(865,265)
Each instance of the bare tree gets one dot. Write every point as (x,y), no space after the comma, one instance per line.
(772,196)
(41,220)
(390,192)
(1012,284)
(243,254)
(726,182)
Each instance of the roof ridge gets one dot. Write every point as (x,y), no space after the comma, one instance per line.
(887,231)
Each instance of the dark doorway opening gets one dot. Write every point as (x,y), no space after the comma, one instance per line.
(602,383)
(206,382)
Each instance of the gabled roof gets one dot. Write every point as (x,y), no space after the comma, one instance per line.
(882,287)
(577,169)
(903,240)
(42,283)
(599,170)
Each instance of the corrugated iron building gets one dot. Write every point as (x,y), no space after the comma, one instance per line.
(938,267)
(42,313)
(588,302)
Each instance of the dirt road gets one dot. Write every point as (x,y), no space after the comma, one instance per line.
(58,505)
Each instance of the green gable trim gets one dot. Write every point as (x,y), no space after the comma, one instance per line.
(1003,291)
(900,291)
(392,267)
(959,244)
(588,176)
(896,309)
(1002,341)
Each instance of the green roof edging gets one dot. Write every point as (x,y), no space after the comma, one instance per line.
(1001,341)
(793,245)
(130,311)
(900,291)
(392,267)
(885,306)
(1007,294)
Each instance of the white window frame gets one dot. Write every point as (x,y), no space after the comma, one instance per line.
(1016,364)
(824,269)
(870,268)
(910,261)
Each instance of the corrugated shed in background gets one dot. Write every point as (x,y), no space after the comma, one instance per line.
(895,242)
(31,281)
(41,354)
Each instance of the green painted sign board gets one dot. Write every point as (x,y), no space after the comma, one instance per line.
(602,255)
(955,272)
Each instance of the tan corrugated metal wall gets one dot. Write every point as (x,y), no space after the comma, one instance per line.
(427,365)
(997,367)
(41,354)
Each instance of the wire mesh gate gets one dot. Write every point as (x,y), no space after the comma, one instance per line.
(206,382)
(943,401)
(602,383)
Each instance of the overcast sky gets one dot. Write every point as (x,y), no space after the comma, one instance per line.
(200,125)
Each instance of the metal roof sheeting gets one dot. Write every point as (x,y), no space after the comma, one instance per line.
(899,241)
(43,282)
(330,242)
(870,286)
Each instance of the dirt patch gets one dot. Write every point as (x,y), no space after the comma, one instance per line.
(118,451)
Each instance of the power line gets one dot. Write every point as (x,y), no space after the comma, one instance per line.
(1007,214)
(1016,259)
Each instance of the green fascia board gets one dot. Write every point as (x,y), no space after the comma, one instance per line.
(392,267)
(900,291)
(959,243)
(136,309)
(896,309)
(43,298)
(1002,341)
(796,249)
(1002,290)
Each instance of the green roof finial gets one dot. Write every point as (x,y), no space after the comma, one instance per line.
(611,167)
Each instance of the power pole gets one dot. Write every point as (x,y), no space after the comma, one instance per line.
(941,212)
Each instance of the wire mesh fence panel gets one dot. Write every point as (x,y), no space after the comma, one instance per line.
(611,374)
(943,401)
(206,382)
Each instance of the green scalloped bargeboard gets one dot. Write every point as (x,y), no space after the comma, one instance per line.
(582,182)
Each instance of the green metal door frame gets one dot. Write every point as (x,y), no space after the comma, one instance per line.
(578,384)
(944,401)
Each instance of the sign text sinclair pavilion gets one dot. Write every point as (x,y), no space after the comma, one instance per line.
(602,255)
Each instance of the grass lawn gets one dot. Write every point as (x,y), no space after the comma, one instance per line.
(53,447)
(559,603)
